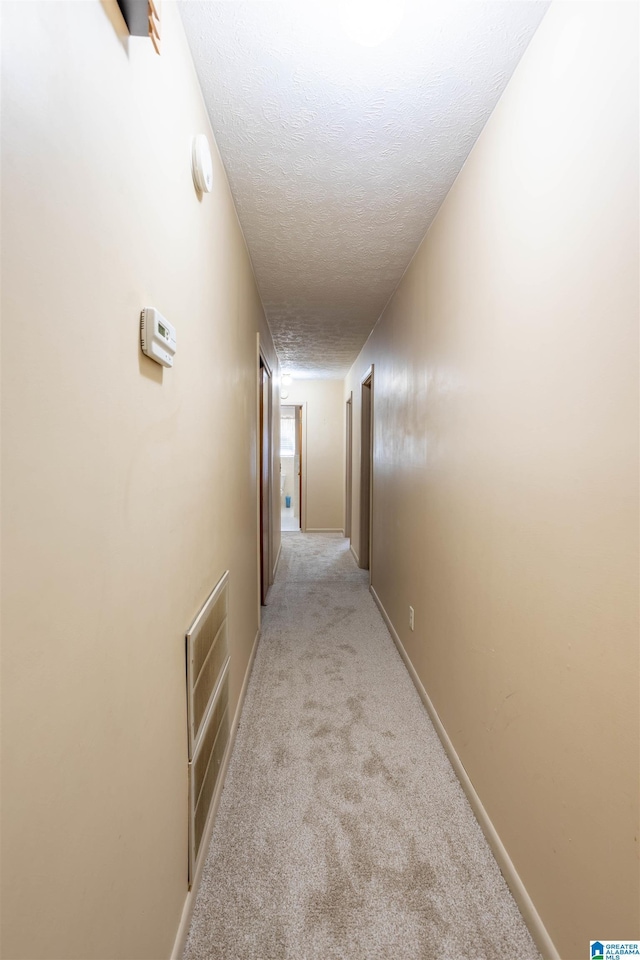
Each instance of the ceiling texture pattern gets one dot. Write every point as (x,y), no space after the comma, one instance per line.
(339,155)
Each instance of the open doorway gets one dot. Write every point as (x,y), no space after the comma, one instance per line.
(348,469)
(366,471)
(264,393)
(291,468)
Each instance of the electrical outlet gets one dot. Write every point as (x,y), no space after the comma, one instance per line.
(411,618)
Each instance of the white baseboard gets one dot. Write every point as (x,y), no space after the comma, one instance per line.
(355,556)
(527,908)
(187,910)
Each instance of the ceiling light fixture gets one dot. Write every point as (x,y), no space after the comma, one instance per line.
(371,22)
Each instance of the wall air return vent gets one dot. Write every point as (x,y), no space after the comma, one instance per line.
(207,649)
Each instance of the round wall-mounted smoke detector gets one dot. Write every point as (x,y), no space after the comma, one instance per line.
(201,164)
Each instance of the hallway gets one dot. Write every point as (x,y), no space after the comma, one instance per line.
(342,829)
(429,248)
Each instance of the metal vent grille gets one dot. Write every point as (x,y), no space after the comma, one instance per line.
(206,764)
(207,654)
(207,649)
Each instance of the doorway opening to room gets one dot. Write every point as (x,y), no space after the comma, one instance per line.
(291,467)
(264,480)
(366,470)
(348,469)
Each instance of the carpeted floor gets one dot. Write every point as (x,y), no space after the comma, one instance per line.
(342,830)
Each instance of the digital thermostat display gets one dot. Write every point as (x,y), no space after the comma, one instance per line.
(157,337)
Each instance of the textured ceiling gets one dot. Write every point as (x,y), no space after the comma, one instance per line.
(339,155)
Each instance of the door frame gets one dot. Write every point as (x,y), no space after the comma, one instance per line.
(265,476)
(366,470)
(348,493)
(301,446)
(302,476)
(303,465)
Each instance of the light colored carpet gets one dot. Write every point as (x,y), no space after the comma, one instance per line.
(314,558)
(342,830)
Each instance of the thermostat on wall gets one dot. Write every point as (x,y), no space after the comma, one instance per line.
(157,337)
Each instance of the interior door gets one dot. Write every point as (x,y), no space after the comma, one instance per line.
(348,471)
(265,485)
(366,472)
(298,461)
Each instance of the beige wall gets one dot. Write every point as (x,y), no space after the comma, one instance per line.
(506,469)
(127,491)
(323,451)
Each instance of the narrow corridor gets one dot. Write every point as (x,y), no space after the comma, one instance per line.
(342,830)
